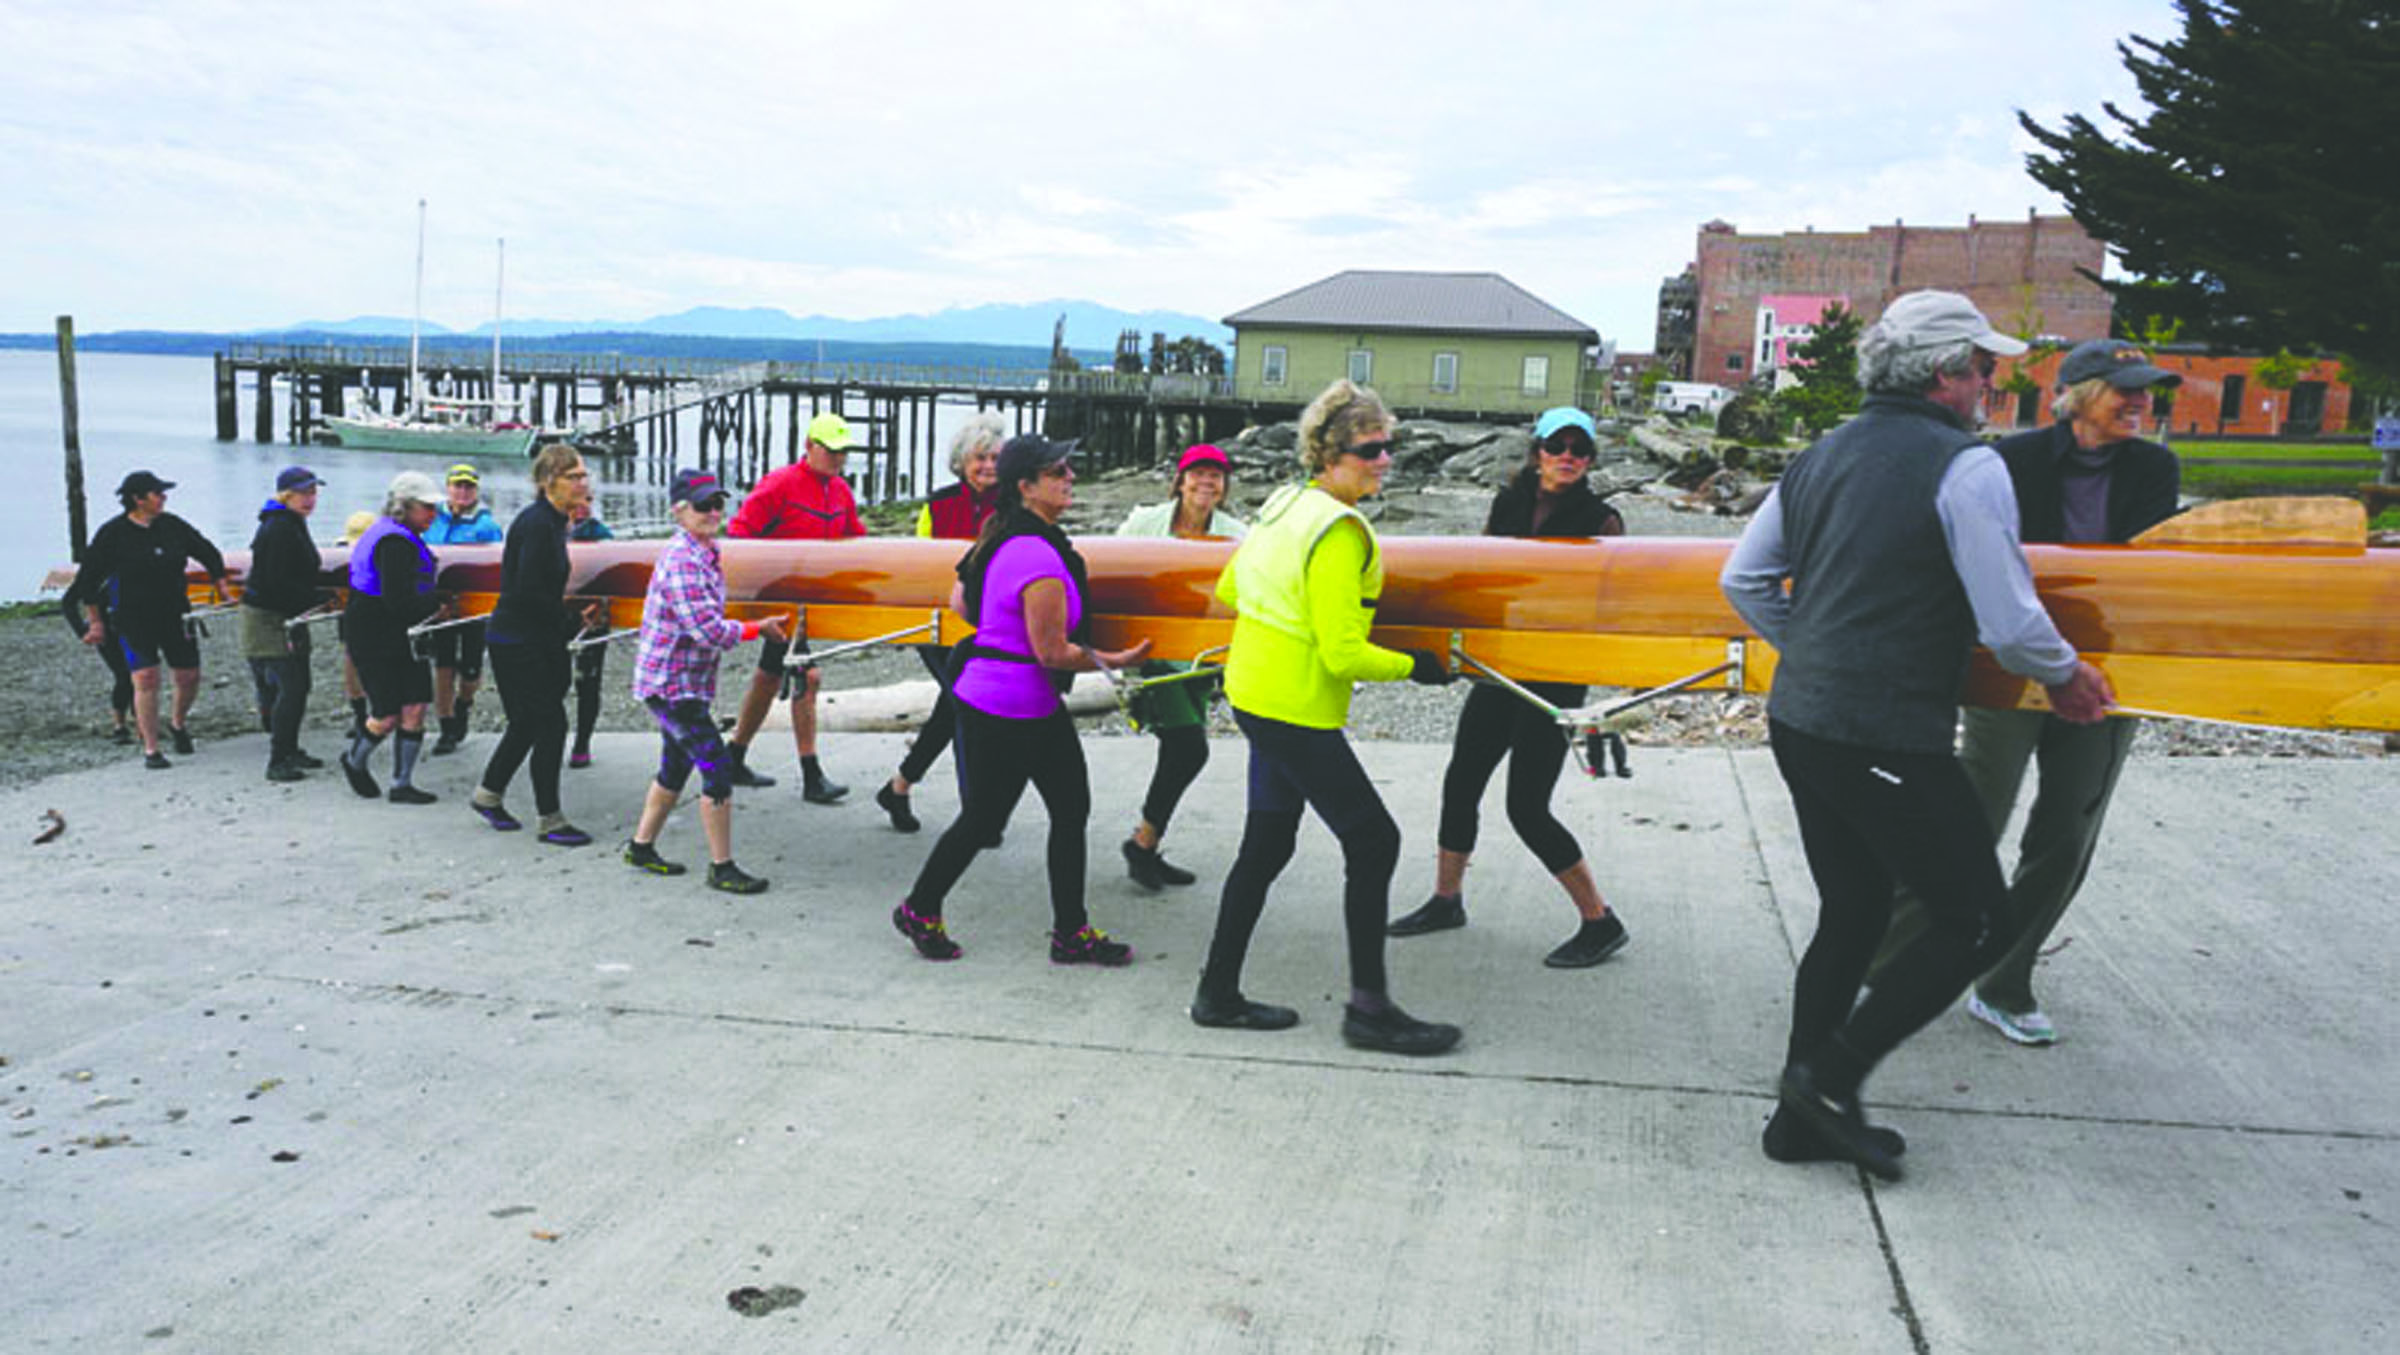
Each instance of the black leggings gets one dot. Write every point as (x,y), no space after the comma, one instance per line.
(1292,767)
(1870,820)
(283,685)
(1182,753)
(1493,725)
(1001,756)
(591,667)
(533,682)
(940,724)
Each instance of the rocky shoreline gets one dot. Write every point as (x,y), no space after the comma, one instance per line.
(54,713)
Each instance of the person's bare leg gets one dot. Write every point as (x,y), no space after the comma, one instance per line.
(755,704)
(445,691)
(716,820)
(1582,890)
(804,716)
(1146,835)
(187,690)
(1449,873)
(145,706)
(657,803)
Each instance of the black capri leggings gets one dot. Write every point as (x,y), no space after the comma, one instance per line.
(1001,756)
(1494,725)
(533,683)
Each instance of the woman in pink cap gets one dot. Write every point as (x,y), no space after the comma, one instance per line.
(1177,713)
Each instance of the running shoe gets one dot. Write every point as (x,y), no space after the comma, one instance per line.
(824,791)
(1440,913)
(362,781)
(566,835)
(1240,1013)
(644,856)
(156,761)
(1090,945)
(1394,1031)
(733,879)
(580,758)
(740,773)
(895,804)
(306,761)
(927,934)
(496,815)
(1151,869)
(1593,942)
(120,735)
(2026,1028)
(285,771)
(182,737)
(406,794)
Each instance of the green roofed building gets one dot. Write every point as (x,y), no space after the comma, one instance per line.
(1464,343)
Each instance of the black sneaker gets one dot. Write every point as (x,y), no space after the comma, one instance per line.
(1840,1124)
(1240,1013)
(1150,869)
(1090,945)
(182,738)
(895,804)
(1593,942)
(566,835)
(406,794)
(733,879)
(496,815)
(362,781)
(644,856)
(1440,913)
(445,745)
(927,934)
(1787,1139)
(824,791)
(156,761)
(285,771)
(120,735)
(306,761)
(740,774)
(1394,1031)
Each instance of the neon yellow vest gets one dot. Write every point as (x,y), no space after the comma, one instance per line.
(1277,668)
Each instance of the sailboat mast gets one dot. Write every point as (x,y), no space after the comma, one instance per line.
(499,281)
(416,314)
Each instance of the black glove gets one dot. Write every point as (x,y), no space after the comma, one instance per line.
(1427,669)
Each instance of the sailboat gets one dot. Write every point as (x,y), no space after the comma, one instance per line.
(440,425)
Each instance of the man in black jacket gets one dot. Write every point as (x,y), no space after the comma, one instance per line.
(285,580)
(133,575)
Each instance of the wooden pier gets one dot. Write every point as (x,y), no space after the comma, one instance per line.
(750,414)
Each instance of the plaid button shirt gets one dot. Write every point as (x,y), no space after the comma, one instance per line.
(684,630)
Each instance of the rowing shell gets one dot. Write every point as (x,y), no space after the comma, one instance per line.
(2273,628)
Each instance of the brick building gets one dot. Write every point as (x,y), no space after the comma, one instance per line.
(1758,294)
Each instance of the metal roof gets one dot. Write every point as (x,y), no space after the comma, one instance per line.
(1449,303)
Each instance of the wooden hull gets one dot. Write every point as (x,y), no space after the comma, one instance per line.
(2300,637)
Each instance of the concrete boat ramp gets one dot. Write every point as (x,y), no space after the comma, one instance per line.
(291,1071)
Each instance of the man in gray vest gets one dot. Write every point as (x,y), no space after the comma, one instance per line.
(1897,533)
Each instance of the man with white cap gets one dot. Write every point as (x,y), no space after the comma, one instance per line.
(1897,534)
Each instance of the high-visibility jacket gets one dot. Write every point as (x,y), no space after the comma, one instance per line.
(1304,589)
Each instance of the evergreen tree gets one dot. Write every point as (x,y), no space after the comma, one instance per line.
(1826,367)
(2258,197)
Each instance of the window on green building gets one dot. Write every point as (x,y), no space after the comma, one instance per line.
(1445,373)
(1362,366)
(1272,360)
(1537,374)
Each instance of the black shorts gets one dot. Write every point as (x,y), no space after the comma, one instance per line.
(393,681)
(459,647)
(145,647)
(773,653)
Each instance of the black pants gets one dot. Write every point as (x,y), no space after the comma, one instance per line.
(940,724)
(283,685)
(1182,755)
(1291,768)
(533,682)
(1493,725)
(1001,756)
(1871,820)
(591,667)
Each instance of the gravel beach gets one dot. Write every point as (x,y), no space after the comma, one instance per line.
(54,715)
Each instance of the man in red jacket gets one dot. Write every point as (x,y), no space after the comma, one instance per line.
(809,501)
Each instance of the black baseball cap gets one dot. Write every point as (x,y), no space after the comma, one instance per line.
(296,477)
(143,482)
(1028,455)
(2121,364)
(694,486)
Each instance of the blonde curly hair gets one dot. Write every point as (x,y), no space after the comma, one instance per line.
(1338,414)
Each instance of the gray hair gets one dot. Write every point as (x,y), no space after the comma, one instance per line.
(1334,418)
(986,429)
(1886,367)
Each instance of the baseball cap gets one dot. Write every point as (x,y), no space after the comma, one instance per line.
(296,477)
(143,482)
(1565,416)
(415,486)
(1028,455)
(1202,454)
(694,486)
(831,431)
(1930,319)
(463,474)
(2123,365)
(359,524)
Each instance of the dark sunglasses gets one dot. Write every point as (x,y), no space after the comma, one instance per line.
(714,503)
(1570,447)
(1369,451)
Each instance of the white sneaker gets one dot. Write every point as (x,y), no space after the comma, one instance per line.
(2023,1027)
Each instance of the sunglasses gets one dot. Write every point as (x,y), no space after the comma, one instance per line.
(1369,451)
(1572,448)
(714,503)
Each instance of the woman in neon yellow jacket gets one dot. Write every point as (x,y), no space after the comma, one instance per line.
(1303,585)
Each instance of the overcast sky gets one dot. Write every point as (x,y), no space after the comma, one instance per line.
(224,164)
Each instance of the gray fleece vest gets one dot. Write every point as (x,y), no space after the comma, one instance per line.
(1876,650)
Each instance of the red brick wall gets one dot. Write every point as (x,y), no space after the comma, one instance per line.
(2019,272)
(2199,402)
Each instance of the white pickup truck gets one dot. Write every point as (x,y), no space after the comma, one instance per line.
(1689,399)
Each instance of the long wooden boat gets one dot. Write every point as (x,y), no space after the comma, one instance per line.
(2277,629)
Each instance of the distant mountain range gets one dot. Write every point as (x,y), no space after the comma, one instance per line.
(1090,327)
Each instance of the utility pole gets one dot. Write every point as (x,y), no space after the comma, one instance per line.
(76,534)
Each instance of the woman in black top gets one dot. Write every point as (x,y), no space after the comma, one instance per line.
(286,578)
(133,578)
(526,643)
(1548,497)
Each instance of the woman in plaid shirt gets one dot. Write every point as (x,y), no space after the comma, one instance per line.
(684,632)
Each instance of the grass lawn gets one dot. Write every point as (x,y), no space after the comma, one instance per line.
(2200,477)
(2276,451)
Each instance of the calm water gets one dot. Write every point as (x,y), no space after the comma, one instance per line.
(158,414)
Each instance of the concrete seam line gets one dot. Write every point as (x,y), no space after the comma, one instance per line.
(1902,1303)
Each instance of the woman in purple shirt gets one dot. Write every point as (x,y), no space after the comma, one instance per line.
(1022,585)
